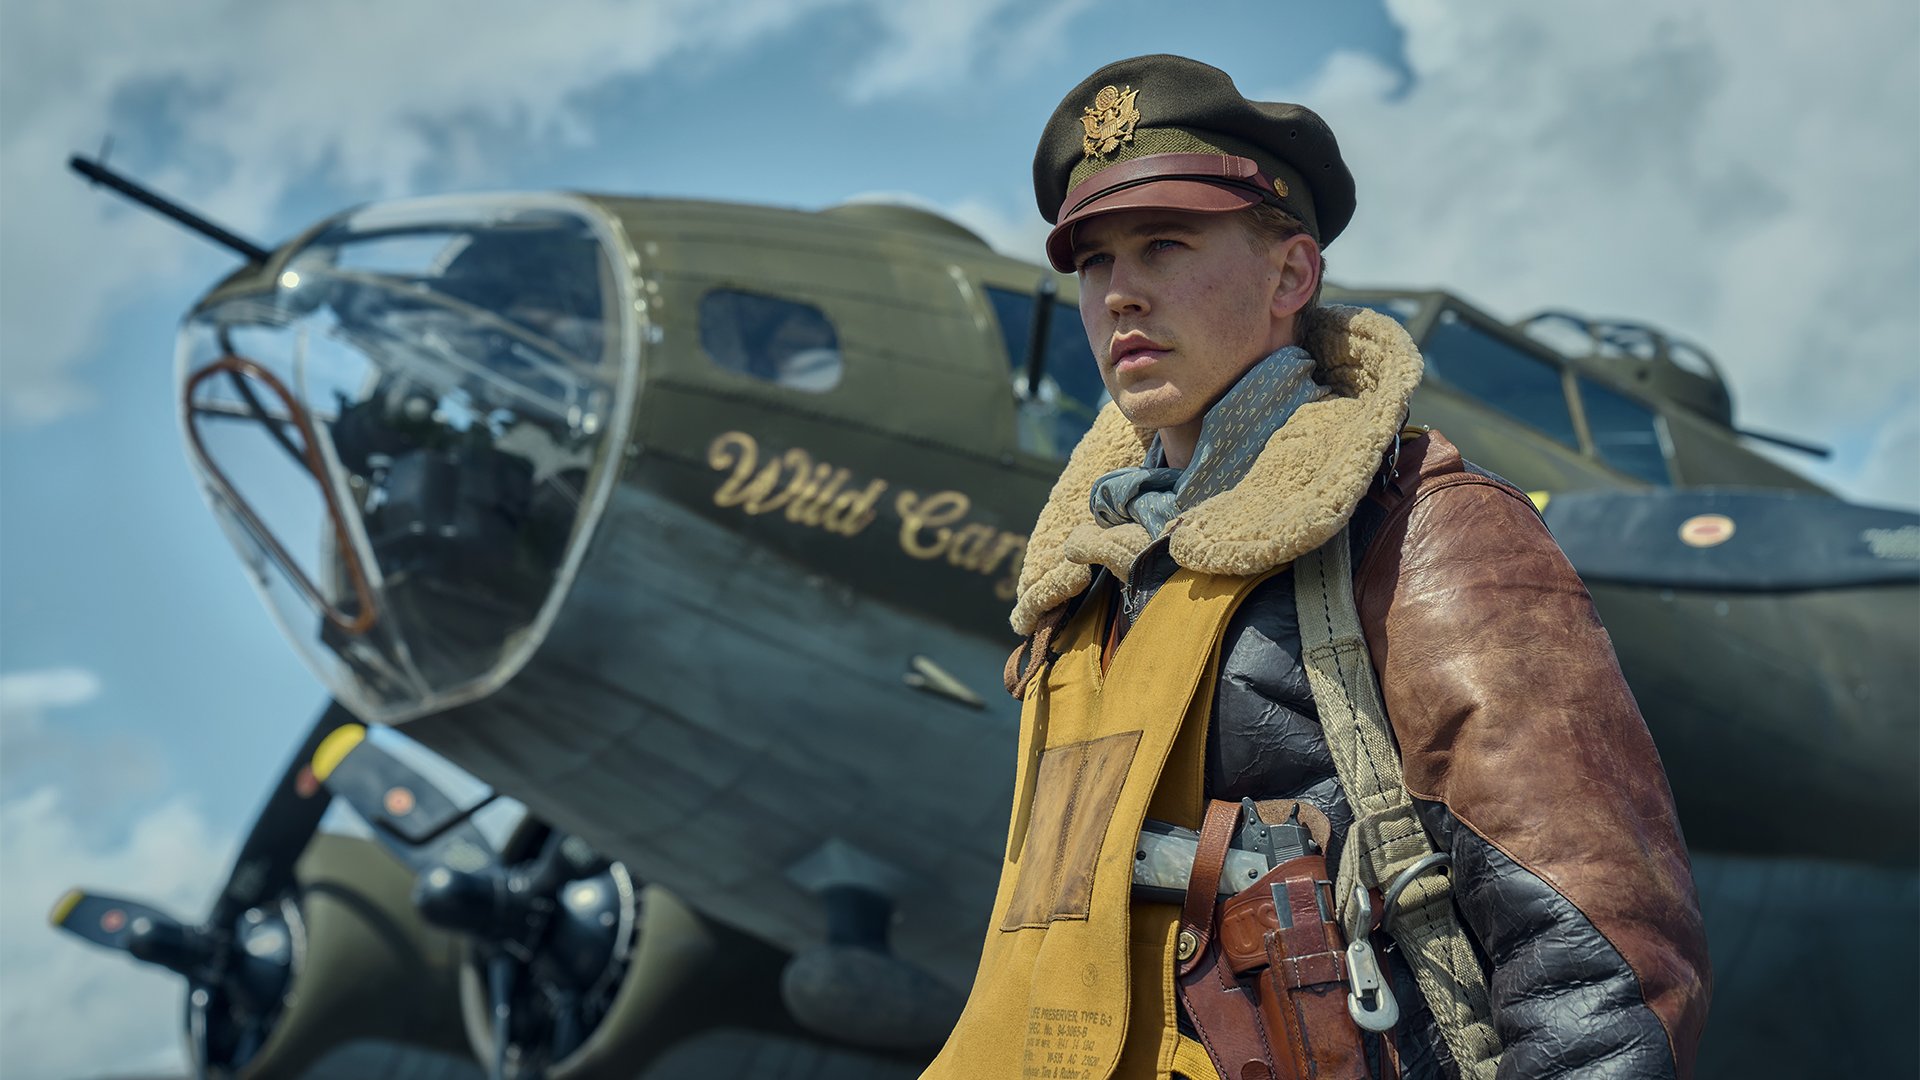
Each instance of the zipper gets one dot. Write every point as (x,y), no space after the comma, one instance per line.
(1133,575)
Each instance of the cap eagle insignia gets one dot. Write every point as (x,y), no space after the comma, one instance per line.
(1109,120)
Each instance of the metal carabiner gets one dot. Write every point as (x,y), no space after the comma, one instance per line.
(1370,1000)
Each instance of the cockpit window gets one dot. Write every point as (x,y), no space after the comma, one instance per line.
(543,279)
(1502,375)
(1626,434)
(780,341)
(1071,393)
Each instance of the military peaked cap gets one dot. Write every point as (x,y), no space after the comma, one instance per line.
(1168,133)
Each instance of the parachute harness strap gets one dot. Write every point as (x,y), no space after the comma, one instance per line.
(1386,845)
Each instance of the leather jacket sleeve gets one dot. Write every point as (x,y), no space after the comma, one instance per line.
(1530,762)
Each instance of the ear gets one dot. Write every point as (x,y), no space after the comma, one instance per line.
(1297,262)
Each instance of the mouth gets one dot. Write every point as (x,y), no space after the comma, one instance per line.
(1133,352)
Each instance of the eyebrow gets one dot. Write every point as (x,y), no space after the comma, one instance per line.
(1151,226)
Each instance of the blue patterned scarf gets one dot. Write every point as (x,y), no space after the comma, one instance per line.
(1232,435)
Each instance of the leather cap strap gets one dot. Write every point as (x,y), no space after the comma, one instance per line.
(1224,170)
(1203,884)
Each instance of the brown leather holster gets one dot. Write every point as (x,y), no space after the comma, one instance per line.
(1268,999)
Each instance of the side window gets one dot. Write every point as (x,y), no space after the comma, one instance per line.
(781,341)
(1071,394)
(1507,377)
(1626,434)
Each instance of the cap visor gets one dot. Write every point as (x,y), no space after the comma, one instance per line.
(1192,196)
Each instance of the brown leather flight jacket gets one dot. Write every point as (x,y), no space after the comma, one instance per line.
(1525,754)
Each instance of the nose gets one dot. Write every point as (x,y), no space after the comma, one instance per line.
(1125,296)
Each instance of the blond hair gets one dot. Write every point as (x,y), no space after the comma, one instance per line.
(1268,224)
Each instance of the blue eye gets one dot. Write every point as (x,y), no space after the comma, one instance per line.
(1091,260)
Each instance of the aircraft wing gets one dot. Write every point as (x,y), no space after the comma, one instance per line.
(1733,539)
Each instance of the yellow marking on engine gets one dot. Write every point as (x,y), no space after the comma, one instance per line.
(335,748)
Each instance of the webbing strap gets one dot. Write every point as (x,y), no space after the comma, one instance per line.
(1386,837)
(1191,1062)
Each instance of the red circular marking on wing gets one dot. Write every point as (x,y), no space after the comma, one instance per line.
(113,921)
(305,784)
(399,802)
(1706,530)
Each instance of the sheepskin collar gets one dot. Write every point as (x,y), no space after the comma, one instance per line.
(1299,493)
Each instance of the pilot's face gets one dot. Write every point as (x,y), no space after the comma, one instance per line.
(1177,306)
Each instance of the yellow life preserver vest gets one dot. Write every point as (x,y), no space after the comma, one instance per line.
(1076,979)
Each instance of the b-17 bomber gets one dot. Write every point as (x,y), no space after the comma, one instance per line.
(693,528)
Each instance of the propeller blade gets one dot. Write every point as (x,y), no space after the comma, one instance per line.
(106,920)
(199,1041)
(550,868)
(264,867)
(500,1000)
(413,818)
(566,1024)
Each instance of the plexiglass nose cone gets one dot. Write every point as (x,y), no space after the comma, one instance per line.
(409,435)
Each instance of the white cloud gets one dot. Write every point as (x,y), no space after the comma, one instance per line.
(933,43)
(25,697)
(252,100)
(118,770)
(1742,174)
(1018,232)
(68,1008)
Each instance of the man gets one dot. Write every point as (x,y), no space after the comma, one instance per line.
(1253,438)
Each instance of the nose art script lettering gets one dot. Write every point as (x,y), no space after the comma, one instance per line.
(817,495)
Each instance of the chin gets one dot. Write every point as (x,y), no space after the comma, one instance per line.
(1157,409)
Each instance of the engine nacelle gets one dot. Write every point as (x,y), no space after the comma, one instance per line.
(364,965)
(670,947)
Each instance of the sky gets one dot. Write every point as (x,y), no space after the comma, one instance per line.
(1740,172)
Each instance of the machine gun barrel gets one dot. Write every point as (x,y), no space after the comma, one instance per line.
(100,174)
(1813,449)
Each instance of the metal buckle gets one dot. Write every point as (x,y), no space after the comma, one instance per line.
(1369,1000)
(1390,901)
